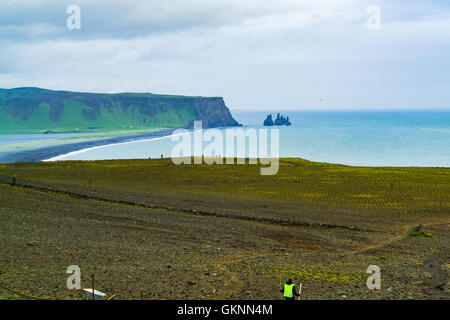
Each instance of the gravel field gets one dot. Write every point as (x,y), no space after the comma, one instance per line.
(149,229)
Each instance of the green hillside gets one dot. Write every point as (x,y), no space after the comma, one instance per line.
(24,110)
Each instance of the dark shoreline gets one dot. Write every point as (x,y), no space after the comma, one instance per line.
(40,154)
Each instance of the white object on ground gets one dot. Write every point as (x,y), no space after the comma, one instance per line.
(300,291)
(97,294)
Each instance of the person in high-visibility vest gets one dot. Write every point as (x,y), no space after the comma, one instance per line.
(289,291)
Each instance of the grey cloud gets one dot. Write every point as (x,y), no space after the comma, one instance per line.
(257,54)
(137,18)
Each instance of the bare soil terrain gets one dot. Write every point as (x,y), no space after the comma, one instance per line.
(150,229)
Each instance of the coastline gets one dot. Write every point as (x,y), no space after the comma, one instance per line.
(48,153)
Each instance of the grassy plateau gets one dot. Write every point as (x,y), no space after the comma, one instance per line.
(36,110)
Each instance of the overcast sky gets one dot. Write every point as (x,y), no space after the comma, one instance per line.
(271,54)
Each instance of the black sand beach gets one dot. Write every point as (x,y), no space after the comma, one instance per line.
(41,154)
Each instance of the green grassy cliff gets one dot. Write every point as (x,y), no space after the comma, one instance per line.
(24,110)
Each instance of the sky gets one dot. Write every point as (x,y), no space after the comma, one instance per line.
(257,55)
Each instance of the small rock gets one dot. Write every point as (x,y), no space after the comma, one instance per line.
(390,289)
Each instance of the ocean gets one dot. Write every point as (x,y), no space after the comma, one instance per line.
(368,138)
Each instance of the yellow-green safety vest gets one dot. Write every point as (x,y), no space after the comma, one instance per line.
(288,288)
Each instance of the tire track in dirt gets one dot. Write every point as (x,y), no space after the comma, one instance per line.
(274,221)
(402,234)
(236,283)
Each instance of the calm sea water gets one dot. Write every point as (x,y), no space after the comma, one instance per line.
(353,138)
